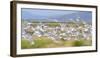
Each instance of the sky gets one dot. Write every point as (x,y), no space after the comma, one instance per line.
(51,14)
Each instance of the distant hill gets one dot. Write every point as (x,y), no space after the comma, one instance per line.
(65,18)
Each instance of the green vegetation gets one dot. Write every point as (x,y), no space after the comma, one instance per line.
(53,24)
(82,43)
(42,42)
(25,44)
(45,42)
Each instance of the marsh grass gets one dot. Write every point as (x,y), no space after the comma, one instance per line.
(42,42)
(45,42)
(25,44)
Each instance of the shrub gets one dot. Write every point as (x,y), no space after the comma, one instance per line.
(79,43)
